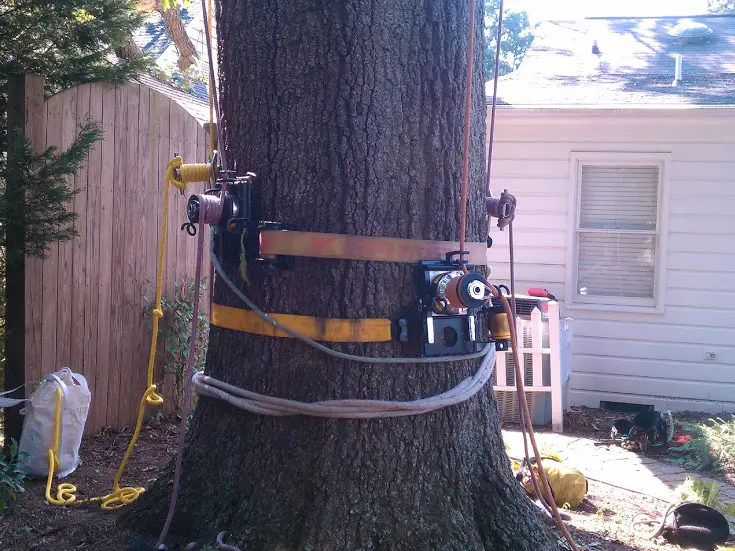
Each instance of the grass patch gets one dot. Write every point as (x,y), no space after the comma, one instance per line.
(719,437)
(712,447)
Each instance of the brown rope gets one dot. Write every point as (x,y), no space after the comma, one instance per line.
(467,114)
(527,418)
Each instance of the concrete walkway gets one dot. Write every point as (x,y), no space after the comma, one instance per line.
(613,465)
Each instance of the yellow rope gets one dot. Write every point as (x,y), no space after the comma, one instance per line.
(121,496)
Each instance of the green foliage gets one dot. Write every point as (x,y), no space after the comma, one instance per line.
(166,4)
(719,437)
(515,40)
(39,203)
(712,447)
(547,451)
(68,42)
(11,480)
(697,490)
(174,329)
(184,81)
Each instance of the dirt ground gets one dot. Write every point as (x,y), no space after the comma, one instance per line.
(602,522)
(36,526)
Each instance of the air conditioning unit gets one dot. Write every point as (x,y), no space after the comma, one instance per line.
(539,403)
(525,305)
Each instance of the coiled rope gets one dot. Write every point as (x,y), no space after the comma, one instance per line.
(178,175)
(345,408)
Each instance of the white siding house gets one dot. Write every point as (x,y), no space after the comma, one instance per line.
(626,213)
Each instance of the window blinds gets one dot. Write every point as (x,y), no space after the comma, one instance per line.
(617,231)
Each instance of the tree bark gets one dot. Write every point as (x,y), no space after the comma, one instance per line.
(351,113)
(129,50)
(176,32)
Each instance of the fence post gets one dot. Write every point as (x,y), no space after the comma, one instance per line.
(537,343)
(555,344)
(25,116)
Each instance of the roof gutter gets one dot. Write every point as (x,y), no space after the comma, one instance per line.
(623,113)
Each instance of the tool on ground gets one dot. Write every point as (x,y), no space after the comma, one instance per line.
(690,525)
(647,429)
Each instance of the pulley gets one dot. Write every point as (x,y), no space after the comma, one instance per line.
(445,321)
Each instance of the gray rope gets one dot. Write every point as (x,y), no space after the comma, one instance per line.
(345,408)
(334,353)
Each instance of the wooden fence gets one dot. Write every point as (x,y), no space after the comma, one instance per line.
(545,346)
(85,303)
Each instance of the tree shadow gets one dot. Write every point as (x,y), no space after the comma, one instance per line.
(656,49)
(635,62)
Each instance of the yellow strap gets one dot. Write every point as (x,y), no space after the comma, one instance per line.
(319,329)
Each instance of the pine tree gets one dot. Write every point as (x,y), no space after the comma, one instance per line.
(40,203)
(68,42)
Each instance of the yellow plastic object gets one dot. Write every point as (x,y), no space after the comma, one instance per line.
(568,485)
(121,496)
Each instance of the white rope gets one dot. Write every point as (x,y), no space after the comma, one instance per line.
(344,409)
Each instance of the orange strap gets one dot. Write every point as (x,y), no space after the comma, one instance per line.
(319,329)
(359,247)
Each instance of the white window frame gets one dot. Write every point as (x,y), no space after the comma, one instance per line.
(625,304)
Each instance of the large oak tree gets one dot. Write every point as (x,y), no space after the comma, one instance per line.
(351,112)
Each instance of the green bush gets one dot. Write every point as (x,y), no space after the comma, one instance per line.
(174,333)
(719,437)
(11,479)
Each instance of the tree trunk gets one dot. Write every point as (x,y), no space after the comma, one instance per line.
(177,32)
(352,113)
(129,50)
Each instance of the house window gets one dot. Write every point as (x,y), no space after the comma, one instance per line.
(617,235)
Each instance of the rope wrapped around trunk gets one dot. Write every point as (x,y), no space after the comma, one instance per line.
(348,408)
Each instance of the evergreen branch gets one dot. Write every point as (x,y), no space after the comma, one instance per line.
(41,200)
